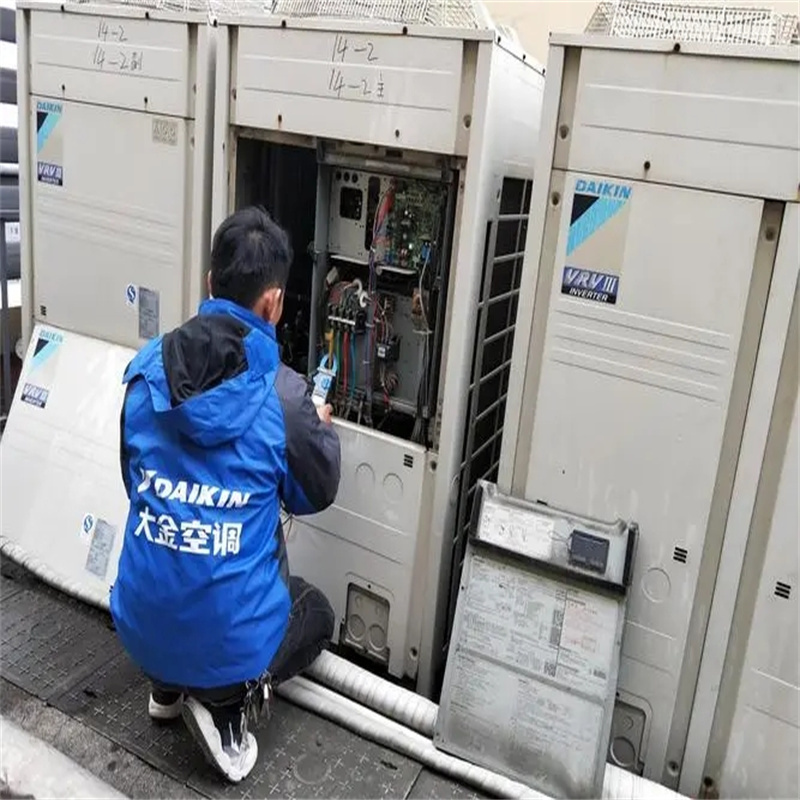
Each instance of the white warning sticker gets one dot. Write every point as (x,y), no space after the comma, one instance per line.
(100,548)
(539,625)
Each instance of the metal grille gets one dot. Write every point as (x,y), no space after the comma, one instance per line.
(467,14)
(441,13)
(175,6)
(491,360)
(677,22)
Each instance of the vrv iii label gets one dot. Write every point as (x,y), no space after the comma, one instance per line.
(596,240)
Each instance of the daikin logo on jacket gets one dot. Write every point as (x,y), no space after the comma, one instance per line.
(198,494)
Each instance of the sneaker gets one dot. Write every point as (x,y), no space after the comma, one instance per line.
(223,737)
(164,705)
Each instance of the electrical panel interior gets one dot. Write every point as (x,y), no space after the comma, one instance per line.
(379,302)
(364,304)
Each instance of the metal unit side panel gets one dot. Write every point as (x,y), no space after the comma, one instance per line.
(114,61)
(645,317)
(762,455)
(107,225)
(377,89)
(369,536)
(689,118)
(761,757)
(64,504)
(494,152)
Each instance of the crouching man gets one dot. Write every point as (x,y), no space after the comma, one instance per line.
(216,435)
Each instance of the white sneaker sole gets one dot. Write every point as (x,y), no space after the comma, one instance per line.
(200,723)
(160,712)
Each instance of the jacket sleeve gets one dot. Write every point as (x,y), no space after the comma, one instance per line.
(313,453)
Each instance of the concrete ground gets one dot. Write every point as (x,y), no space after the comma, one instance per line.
(65,679)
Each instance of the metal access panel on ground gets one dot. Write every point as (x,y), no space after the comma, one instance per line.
(395,144)
(534,652)
(115,116)
(649,277)
(63,504)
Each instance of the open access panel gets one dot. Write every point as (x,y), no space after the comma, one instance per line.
(534,654)
(398,155)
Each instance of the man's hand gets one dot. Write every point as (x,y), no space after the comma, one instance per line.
(325,413)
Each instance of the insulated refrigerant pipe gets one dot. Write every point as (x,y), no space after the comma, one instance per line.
(410,713)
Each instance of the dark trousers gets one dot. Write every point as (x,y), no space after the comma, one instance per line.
(310,629)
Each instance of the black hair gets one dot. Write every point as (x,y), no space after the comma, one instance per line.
(250,253)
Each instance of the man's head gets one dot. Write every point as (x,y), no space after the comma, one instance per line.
(250,260)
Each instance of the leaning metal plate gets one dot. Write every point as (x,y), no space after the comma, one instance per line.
(303,756)
(49,642)
(113,701)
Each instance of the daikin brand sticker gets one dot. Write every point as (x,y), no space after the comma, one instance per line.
(49,144)
(596,240)
(39,379)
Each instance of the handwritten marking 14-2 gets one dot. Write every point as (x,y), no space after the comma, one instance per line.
(341,46)
(338,83)
(106,54)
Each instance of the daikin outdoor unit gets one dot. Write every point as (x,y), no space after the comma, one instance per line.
(115,116)
(395,142)
(660,271)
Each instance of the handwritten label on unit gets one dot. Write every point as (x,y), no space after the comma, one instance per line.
(112,52)
(355,74)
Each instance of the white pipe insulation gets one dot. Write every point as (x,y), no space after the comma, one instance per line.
(617,784)
(407,708)
(412,714)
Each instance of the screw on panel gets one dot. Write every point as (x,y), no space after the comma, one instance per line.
(676,48)
(646,166)
(770,233)
(563,131)
(147,15)
(280,118)
(146,101)
(709,790)
(283,23)
(405,30)
(397,134)
(233,93)
(555,198)
(467,120)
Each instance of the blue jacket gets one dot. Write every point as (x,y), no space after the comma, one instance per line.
(215,434)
